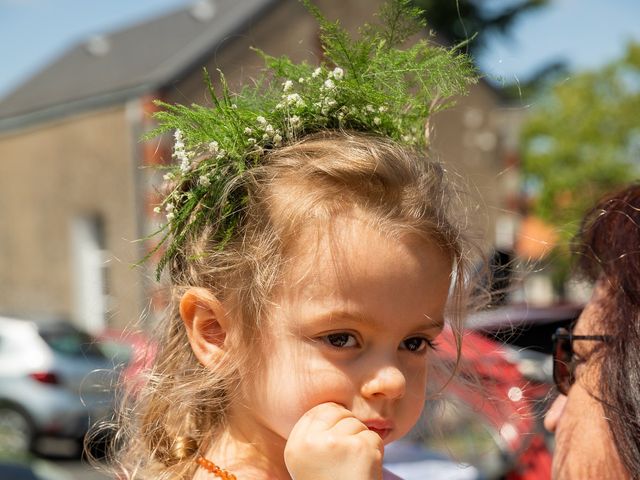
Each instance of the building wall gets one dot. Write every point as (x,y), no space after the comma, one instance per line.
(466,137)
(51,174)
(240,64)
(285,29)
(88,165)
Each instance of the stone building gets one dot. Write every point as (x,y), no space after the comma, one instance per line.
(77,193)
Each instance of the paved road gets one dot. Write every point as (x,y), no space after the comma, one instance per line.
(79,470)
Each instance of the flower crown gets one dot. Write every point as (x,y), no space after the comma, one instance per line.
(368,85)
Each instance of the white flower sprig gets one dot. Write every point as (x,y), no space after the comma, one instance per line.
(387,89)
(180,153)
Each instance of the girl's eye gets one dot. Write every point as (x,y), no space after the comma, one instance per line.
(341,340)
(417,344)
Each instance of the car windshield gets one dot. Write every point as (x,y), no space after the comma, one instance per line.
(67,340)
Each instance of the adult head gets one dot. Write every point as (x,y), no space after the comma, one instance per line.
(597,420)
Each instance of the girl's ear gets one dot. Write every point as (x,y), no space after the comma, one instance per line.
(205,319)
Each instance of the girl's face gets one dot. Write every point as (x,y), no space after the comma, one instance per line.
(354,324)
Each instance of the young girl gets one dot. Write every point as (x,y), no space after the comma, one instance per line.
(312,259)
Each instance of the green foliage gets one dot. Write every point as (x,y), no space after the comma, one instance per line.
(581,140)
(370,84)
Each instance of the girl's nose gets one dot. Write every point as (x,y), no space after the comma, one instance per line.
(552,417)
(388,382)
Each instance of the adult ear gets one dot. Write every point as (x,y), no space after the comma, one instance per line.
(205,319)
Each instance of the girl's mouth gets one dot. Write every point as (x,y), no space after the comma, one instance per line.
(381,427)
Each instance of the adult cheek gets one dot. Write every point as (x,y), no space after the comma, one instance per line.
(551,422)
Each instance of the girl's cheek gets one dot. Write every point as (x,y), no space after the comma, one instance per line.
(312,391)
(417,373)
(328,384)
(416,378)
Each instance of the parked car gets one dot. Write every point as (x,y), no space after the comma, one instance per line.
(412,461)
(133,351)
(34,469)
(523,325)
(484,417)
(54,382)
(525,332)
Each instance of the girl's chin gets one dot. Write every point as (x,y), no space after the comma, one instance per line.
(385,433)
(391,436)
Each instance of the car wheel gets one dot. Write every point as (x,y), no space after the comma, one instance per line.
(16,431)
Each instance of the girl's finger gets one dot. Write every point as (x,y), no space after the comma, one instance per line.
(324,416)
(349,426)
(373,439)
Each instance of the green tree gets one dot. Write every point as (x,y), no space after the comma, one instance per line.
(460,20)
(581,140)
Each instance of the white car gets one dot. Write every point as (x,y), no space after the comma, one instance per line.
(410,461)
(54,382)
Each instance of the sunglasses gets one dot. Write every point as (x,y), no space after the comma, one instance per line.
(564,361)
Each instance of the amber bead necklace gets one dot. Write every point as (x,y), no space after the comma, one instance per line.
(211,467)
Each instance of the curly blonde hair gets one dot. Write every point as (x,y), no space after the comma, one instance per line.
(183,404)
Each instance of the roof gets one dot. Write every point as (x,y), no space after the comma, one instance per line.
(127,63)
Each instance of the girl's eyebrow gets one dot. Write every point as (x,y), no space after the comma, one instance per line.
(345,315)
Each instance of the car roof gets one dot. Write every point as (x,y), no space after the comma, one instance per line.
(522,314)
(16,322)
(41,322)
(43,327)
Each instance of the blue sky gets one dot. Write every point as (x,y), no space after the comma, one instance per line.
(586,33)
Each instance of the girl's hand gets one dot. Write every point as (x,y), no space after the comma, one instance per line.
(329,443)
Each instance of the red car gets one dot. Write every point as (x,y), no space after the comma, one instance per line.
(133,350)
(486,416)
